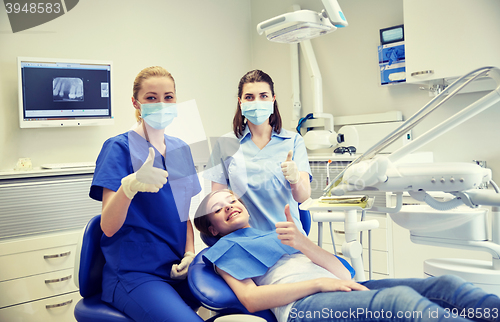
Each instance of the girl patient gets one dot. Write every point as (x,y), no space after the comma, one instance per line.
(286,272)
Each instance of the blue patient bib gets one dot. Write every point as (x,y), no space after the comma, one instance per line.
(247,252)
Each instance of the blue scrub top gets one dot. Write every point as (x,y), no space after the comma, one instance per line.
(255,175)
(153,236)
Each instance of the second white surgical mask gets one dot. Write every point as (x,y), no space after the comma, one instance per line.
(257,111)
(159,115)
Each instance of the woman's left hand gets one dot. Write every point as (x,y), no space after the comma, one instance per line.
(290,169)
(179,271)
(288,232)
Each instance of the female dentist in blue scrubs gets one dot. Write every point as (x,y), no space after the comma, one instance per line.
(145,180)
(264,164)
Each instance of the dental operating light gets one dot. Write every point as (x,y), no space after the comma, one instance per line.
(302,25)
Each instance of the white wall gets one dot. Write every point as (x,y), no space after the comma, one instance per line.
(204,44)
(349,65)
(208,46)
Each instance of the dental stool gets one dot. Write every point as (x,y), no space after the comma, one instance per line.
(213,292)
(88,277)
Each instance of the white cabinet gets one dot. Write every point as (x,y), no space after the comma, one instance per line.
(37,278)
(448,38)
(42,215)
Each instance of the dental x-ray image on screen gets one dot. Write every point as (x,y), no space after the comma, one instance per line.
(64,92)
(67,89)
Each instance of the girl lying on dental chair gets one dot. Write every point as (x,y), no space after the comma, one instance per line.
(286,272)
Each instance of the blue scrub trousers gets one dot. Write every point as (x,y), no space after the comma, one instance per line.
(443,298)
(158,301)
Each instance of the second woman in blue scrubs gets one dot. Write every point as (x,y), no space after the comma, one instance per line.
(145,180)
(264,164)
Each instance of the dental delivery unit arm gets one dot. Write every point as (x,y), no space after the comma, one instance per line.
(374,172)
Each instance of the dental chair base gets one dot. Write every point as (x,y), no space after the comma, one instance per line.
(478,272)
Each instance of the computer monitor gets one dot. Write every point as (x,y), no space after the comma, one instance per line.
(64,92)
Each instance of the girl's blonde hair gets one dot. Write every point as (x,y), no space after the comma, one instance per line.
(148,72)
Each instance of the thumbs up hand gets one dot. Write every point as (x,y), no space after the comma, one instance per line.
(289,169)
(150,175)
(288,232)
(146,179)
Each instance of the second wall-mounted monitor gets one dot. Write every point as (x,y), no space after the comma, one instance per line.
(64,92)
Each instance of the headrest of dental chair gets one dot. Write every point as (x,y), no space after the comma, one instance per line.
(208,240)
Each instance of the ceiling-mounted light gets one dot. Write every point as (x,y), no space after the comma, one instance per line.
(301,25)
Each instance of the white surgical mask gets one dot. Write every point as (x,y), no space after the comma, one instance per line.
(158,115)
(257,111)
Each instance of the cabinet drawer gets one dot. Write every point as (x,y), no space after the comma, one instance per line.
(54,309)
(379,261)
(36,287)
(36,262)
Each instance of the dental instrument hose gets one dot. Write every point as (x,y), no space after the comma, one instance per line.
(495,217)
(495,186)
(443,205)
(333,241)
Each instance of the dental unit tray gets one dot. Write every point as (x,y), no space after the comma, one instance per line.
(360,201)
(338,203)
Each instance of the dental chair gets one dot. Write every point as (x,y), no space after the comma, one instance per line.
(213,292)
(88,271)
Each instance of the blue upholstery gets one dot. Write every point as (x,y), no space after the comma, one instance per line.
(213,292)
(91,308)
(305,219)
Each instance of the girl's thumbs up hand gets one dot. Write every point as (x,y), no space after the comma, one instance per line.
(288,232)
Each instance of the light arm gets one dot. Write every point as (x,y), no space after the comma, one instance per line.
(335,14)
